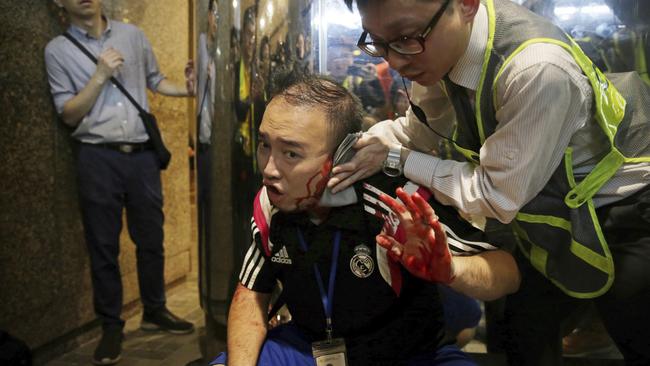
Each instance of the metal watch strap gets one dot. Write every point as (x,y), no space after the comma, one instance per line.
(393,165)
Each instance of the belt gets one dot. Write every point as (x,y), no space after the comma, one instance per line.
(125,147)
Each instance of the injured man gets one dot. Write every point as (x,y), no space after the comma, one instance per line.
(360,269)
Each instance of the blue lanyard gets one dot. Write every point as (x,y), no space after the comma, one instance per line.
(328,298)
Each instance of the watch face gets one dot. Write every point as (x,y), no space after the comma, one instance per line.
(392,171)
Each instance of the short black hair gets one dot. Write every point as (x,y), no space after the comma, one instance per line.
(263,42)
(343,109)
(249,15)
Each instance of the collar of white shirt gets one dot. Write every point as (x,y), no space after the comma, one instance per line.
(82,32)
(467,71)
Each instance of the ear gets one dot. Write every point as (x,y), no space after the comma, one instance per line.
(468,9)
(58,3)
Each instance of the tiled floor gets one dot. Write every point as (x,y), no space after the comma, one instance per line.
(142,348)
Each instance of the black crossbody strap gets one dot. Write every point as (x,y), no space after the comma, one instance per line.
(205,92)
(113,80)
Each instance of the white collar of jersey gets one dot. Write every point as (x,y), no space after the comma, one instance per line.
(343,198)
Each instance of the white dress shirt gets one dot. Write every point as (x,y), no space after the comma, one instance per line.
(543,105)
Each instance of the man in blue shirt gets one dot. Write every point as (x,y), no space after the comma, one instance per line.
(116,165)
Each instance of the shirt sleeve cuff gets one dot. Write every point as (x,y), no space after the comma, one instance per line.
(60,99)
(155,81)
(421,168)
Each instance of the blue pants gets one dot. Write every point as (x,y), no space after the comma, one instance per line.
(285,346)
(461,311)
(110,181)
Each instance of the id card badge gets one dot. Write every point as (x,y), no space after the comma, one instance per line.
(330,353)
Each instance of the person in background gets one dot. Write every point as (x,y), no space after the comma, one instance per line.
(205,91)
(234,47)
(245,176)
(116,166)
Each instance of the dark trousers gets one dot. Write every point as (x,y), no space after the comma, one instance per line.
(110,181)
(204,220)
(204,187)
(534,316)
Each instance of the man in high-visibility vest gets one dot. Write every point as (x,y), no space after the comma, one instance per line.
(556,158)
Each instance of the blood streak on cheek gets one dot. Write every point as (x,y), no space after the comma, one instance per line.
(326,168)
(325,173)
(320,185)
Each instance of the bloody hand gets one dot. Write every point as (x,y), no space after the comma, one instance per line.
(424,252)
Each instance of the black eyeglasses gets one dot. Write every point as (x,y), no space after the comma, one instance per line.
(404,45)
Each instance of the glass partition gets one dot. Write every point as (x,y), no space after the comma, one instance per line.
(613,33)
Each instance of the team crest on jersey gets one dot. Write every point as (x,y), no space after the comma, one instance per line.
(282,256)
(361,263)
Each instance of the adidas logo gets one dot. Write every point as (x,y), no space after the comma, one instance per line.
(282,257)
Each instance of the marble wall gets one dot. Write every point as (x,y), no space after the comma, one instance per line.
(45,289)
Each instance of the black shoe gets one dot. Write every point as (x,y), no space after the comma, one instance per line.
(163,319)
(109,348)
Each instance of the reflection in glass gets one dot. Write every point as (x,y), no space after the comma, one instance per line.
(205,67)
(613,33)
(369,78)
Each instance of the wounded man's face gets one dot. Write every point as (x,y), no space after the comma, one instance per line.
(294,154)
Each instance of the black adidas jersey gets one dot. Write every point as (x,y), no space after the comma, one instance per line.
(385,314)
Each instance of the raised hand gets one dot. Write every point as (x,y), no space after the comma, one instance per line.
(424,252)
(108,61)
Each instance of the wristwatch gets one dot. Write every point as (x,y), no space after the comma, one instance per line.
(393,165)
